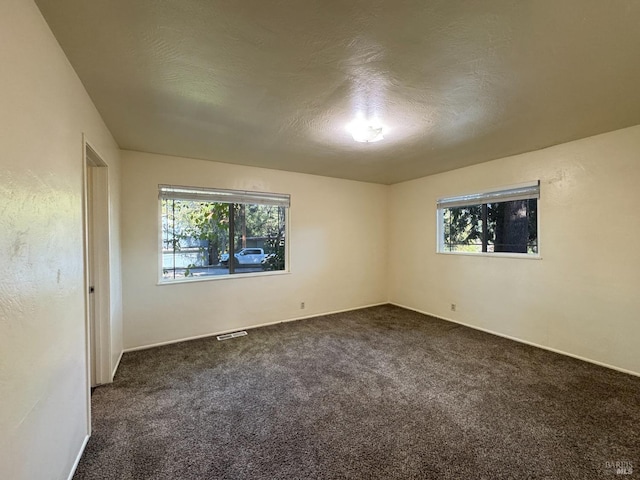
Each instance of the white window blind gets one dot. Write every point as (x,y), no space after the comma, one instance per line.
(520,192)
(223,196)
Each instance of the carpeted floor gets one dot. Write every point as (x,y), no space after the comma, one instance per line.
(379,393)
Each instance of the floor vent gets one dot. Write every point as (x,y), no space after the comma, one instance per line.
(227,336)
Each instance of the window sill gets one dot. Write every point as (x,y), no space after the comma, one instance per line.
(209,278)
(521,256)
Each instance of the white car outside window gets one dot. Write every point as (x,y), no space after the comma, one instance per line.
(246,256)
(250,256)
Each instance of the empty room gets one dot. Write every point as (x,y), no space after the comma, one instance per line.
(288,239)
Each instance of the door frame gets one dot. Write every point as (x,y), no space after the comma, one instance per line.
(96,249)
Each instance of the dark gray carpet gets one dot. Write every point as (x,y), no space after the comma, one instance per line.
(379,393)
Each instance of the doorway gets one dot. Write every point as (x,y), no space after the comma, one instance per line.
(96,261)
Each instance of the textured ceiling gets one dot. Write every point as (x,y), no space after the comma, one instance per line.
(274,83)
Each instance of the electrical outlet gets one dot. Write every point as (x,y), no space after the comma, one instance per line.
(453,307)
(301,305)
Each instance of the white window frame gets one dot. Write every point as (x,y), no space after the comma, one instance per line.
(522,191)
(206,194)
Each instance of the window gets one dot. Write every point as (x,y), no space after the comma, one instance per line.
(501,221)
(200,227)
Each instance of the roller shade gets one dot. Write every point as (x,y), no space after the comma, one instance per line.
(521,192)
(199,194)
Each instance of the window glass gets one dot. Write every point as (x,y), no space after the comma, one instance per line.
(509,226)
(197,237)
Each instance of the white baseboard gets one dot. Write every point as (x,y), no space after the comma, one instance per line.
(115,368)
(75,464)
(250,327)
(515,339)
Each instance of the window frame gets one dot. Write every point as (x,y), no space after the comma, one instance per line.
(241,194)
(493,195)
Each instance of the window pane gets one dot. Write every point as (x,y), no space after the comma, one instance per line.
(196,238)
(510,227)
(194,235)
(259,238)
(463,229)
(513,227)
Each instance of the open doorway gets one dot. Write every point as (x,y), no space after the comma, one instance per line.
(96,260)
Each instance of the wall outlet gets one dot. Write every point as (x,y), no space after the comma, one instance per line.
(453,307)
(301,305)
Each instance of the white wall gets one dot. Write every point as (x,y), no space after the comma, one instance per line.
(583,297)
(44,111)
(338,245)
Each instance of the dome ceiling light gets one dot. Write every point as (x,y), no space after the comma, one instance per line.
(366,131)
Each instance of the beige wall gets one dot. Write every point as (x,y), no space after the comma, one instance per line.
(338,245)
(582,297)
(44,111)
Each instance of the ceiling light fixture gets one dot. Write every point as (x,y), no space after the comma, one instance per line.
(366,132)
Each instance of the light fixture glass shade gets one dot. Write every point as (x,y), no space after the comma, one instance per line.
(365,132)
